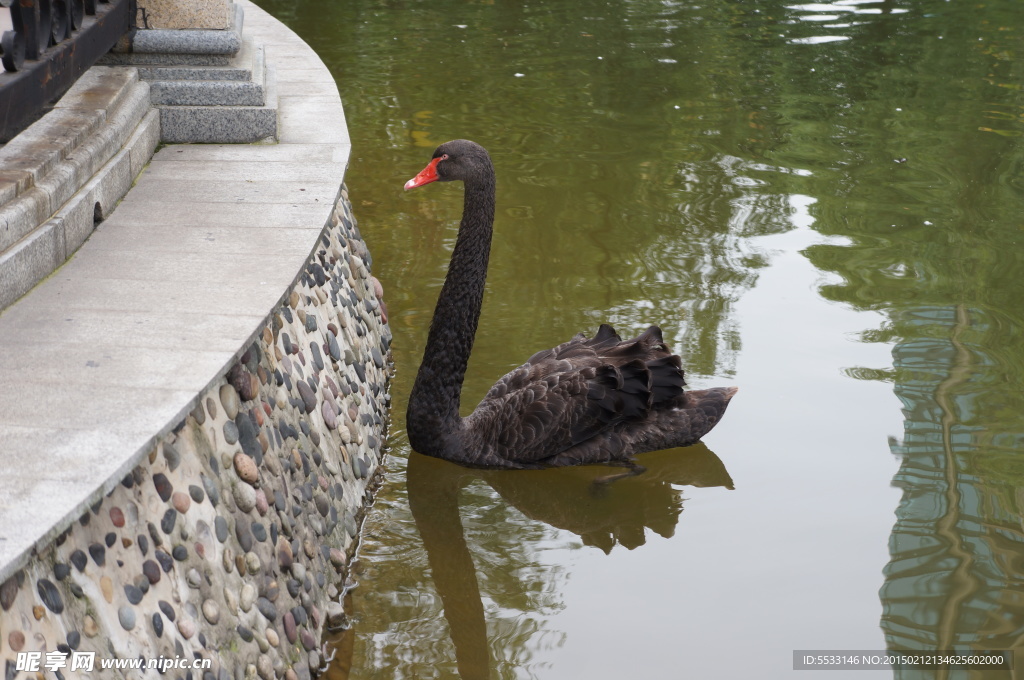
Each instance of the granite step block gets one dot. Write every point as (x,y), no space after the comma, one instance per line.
(247,66)
(222,124)
(206,93)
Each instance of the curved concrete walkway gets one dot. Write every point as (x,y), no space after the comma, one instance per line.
(113,349)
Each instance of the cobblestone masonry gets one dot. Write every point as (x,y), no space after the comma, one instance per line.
(231,542)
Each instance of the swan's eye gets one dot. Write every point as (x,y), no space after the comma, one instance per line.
(444,157)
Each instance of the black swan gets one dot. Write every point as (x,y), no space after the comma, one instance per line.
(589,400)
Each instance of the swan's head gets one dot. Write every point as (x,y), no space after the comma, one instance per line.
(459,159)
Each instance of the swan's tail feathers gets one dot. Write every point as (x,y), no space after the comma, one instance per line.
(667,379)
(604,333)
(708,407)
(651,336)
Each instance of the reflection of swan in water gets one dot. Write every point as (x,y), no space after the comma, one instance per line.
(573,499)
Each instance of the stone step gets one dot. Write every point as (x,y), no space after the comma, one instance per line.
(247,66)
(166,47)
(241,83)
(69,170)
(222,124)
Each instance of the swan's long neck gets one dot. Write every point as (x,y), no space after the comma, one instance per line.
(433,415)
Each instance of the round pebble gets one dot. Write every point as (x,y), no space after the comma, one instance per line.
(247,598)
(267,608)
(166,563)
(61,571)
(169,519)
(180,553)
(186,627)
(321,503)
(90,627)
(229,400)
(181,501)
(98,553)
(211,490)
(126,615)
(167,609)
(284,554)
(308,398)
(330,417)
(196,492)
(107,588)
(246,468)
(245,497)
(77,558)
(151,570)
(244,535)
(230,431)
(158,624)
(117,517)
(50,595)
(290,630)
(220,527)
(272,637)
(259,532)
(211,610)
(264,667)
(172,456)
(308,641)
(133,593)
(261,502)
(163,486)
(338,558)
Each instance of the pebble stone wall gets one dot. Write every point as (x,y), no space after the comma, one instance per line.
(231,541)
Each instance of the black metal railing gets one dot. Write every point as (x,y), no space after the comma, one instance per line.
(46,45)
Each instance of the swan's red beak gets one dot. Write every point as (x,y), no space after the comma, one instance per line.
(426,176)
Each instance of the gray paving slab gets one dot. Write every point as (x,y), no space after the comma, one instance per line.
(322,173)
(63,461)
(171,214)
(284,242)
(63,294)
(102,408)
(288,88)
(283,189)
(114,328)
(304,75)
(60,365)
(316,152)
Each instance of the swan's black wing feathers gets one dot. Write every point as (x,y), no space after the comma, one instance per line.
(570,394)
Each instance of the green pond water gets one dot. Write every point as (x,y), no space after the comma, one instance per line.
(820,203)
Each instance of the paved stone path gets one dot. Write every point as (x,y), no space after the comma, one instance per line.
(108,353)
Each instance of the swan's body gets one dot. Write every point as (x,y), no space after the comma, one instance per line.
(597,400)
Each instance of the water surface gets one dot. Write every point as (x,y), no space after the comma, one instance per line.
(820,203)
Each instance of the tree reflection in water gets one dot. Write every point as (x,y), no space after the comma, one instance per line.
(574,499)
